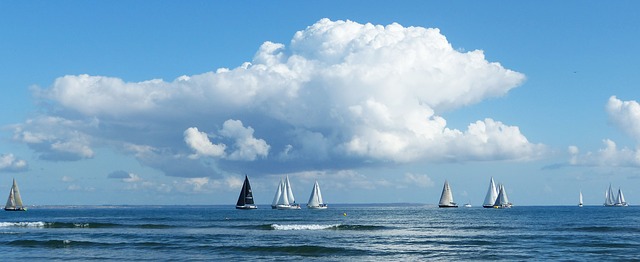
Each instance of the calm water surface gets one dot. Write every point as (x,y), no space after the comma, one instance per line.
(343,232)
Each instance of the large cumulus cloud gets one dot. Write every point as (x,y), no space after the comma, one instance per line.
(341,93)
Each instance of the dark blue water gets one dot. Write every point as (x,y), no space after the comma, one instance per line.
(348,232)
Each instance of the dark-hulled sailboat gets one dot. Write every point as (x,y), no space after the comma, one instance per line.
(245,200)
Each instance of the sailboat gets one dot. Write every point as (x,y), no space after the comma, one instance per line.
(245,200)
(610,201)
(446,199)
(620,202)
(14,202)
(608,198)
(580,203)
(502,201)
(492,194)
(315,200)
(286,199)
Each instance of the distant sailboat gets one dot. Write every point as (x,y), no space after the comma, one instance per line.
(610,201)
(492,194)
(286,199)
(14,202)
(315,200)
(620,199)
(502,201)
(608,198)
(446,199)
(245,200)
(467,204)
(580,203)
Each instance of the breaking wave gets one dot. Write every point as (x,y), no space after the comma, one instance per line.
(322,227)
(40,224)
(23,224)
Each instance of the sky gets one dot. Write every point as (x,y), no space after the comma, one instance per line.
(173,102)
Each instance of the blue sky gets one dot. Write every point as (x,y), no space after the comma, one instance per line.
(172,103)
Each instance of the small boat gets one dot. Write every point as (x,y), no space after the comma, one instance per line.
(245,200)
(315,200)
(286,199)
(502,201)
(467,205)
(446,199)
(14,202)
(492,194)
(580,203)
(619,201)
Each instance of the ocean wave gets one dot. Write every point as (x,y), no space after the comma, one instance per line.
(65,243)
(302,250)
(303,227)
(322,227)
(40,224)
(604,229)
(23,224)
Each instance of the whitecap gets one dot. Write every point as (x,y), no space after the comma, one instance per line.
(22,224)
(303,227)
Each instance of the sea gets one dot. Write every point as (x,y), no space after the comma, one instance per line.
(375,232)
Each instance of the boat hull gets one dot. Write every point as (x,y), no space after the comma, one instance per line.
(247,207)
(447,206)
(287,207)
(15,209)
(318,207)
(617,205)
(487,206)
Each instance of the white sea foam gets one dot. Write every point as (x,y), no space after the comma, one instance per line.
(303,227)
(22,224)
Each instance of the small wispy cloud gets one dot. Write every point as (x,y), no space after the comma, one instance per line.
(10,163)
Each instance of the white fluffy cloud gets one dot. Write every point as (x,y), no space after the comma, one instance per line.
(200,143)
(246,146)
(625,115)
(342,93)
(56,138)
(9,163)
(610,156)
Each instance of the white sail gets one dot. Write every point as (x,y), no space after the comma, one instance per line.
(315,200)
(620,199)
(284,199)
(609,200)
(502,201)
(446,199)
(505,198)
(320,199)
(276,197)
(289,191)
(492,194)
(11,201)
(580,203)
